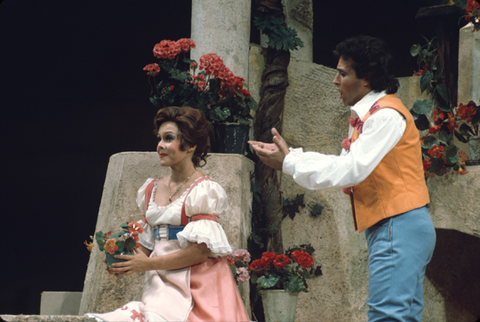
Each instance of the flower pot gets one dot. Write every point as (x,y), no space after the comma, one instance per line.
(230,138)
(111,260)
(279,305)
(474,147)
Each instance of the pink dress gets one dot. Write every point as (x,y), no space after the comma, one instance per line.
(203,292)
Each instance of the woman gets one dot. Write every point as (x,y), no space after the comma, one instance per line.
(186,279)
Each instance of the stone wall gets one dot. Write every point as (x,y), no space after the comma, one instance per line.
(315,119)
(126,173)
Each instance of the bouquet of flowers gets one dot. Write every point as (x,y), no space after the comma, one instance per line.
(209,86)
(287,271)
(121,243)
(238,261)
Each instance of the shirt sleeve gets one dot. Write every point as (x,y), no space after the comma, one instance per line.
(312,170)
(147,238)
(208,197)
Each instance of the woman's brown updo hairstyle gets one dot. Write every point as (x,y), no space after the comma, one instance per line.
(192,127)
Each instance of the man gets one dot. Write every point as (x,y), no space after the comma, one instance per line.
(380,167)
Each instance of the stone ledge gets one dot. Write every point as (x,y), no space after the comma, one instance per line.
(453,203)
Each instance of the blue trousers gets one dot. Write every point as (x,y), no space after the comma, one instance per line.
(399,249)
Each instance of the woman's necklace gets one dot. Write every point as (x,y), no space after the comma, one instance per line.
(180,186)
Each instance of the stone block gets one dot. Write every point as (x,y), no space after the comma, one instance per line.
(454,201)
(468,65)
(60,303)
(126,173)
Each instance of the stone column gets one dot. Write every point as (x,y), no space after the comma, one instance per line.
(222,27)
(469,65)
(299,15)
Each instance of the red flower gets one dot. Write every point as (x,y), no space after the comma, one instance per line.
(172,87)
(436,152)
(135,228)
(452,124)
(152,69)
(258,265)
(435,129)
(303,258)
(466,112)
(110,246)
(231,261)
(438,115)
(426,165)
(281,261)
(421,71)
(268,257)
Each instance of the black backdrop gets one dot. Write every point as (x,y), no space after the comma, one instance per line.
(73,92)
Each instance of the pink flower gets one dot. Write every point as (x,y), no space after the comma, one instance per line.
(243,275)
(152,69)
(240,255)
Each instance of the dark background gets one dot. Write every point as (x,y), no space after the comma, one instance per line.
(73,92)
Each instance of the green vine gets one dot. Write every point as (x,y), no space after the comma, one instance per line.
(438,148)
(280,37)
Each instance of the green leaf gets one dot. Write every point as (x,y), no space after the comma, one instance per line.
(422,106)
(426,80)
(294,285)
(429,141)
(422,123)
(465,129)
(444,137)
(100,238)
(273,229)
(451,154)
(442,90)
(437,164)
(316,210)
(415,50)
(460,137)
(443,108)
(156,102)
(121,245)
(130,243)
(268,282)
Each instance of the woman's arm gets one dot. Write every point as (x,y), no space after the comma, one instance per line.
(186,257)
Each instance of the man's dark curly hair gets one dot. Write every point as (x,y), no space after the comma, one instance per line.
(372,61)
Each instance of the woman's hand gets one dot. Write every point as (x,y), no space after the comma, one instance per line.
(139,262)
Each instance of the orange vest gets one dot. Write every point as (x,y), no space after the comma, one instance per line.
(397,184)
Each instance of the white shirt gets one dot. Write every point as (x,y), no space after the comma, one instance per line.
(381,132)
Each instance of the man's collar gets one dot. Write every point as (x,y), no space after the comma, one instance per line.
(363,105)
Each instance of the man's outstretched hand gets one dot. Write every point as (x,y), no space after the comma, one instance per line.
(272,154)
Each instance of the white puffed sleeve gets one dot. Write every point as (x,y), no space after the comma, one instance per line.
(147,238)
(208,197)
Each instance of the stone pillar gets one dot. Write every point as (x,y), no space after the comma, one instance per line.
(222,27)
(469,65)
(299,16)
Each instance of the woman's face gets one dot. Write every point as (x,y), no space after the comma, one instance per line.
(168,146)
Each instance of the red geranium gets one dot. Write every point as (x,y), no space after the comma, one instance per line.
(281,261)
(303,258)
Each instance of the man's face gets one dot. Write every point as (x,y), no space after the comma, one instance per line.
(351,88)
